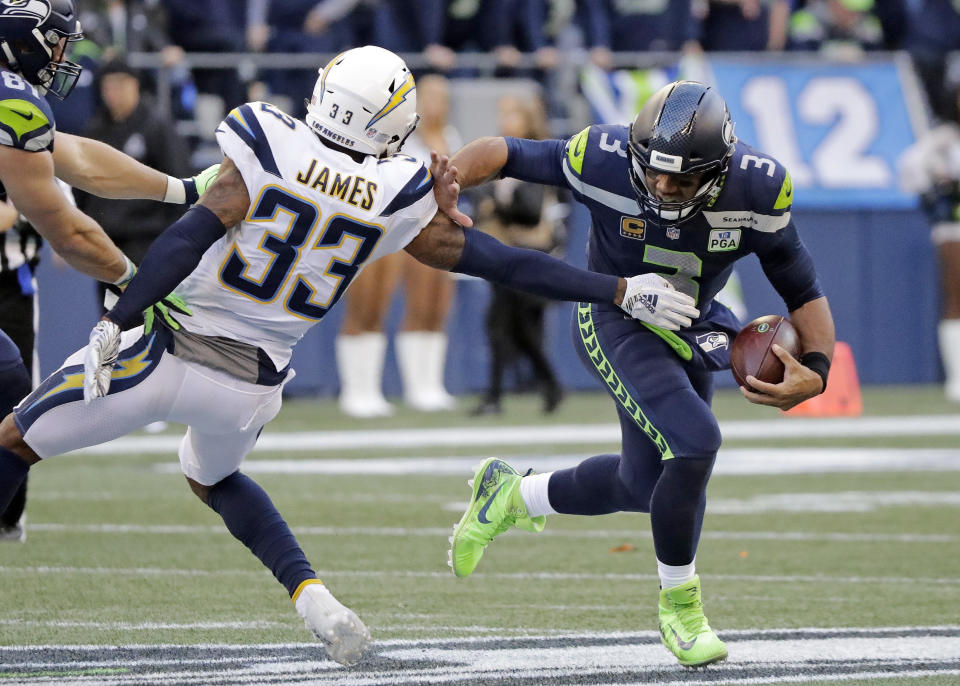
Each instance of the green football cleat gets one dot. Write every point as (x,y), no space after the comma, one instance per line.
(496,506)
(684,629)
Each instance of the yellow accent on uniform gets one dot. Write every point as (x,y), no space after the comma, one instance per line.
(69,381)
(577,150)
(124,370)
(398,96)
(785,199)
(22,116)
(132,365)
(237,115)
(303,585)
(591,343)
(326,70)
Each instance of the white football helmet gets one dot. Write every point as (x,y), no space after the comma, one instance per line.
(365,100)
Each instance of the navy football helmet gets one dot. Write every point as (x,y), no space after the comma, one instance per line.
(30,31)
(684,128)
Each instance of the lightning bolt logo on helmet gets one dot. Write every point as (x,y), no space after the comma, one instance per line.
(361,81)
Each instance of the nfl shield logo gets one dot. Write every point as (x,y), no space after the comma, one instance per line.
(673,233)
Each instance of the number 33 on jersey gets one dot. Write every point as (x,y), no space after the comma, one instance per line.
(316,218)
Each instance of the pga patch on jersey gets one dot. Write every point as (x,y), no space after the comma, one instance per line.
(722,240)
(714,340)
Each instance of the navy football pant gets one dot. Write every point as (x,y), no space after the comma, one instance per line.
(16,321)
(14,385)
(670,437)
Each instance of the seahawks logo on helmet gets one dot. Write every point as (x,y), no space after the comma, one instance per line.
(25,8)
(30,31)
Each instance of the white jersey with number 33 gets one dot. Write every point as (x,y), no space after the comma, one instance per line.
(316,218)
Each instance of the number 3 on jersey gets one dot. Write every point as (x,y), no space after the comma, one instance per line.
(350,240)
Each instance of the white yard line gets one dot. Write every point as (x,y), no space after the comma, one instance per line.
(413,574)
(735,461)
(143,626)
(540,434)
(640,532)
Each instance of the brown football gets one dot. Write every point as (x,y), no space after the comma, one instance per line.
(751,355)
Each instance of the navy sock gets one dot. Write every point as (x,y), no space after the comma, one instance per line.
(253,519)
(676,509)
(14,386)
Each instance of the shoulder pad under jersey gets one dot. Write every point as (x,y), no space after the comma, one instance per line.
(595,164)
(26,120)
(756,185)
(408,180)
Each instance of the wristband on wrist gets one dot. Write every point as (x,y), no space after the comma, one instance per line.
(127,274)
(819,363)
(177,192)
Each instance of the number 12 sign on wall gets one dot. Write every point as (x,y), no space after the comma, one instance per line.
(838,128)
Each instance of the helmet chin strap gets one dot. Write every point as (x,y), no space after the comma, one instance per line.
(393,148)
(12,62)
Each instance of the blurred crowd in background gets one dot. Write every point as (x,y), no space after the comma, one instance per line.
(523,37)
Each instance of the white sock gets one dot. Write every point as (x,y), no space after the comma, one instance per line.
(360,365)
(674,575)
(949,335)
(421,356)
(535,494)
(436,362)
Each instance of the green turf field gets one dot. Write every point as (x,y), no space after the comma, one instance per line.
(847,576)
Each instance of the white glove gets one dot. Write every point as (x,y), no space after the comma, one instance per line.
(652,299)
(99,359)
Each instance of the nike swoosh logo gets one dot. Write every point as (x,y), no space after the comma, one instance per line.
(26,115)
(581,144)
(482,514)
(684,645)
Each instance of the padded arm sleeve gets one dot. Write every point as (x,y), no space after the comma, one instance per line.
(170,259)
(532,271)
(790,269)
(536,161)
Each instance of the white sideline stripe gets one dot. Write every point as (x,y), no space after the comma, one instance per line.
(832,656)
(729,462)
(141,626)
(550,533)
(309,674)
(316,441)
(399,642)
(411,574)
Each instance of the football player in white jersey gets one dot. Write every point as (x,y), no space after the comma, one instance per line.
(296,211)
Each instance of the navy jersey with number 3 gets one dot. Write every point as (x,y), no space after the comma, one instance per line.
(751,214)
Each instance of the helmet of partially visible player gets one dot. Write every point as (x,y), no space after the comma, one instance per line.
(684,128)
(365,100)
(33,37)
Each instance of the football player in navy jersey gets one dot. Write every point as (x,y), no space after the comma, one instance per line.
(34,37)
(677,197)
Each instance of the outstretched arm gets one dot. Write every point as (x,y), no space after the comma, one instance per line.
(479,161)
(104,171)
(99,169)
(444,245)
(179,249)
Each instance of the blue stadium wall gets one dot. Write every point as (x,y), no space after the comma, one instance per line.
(878,269)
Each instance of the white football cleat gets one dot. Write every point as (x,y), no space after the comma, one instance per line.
(345,637)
